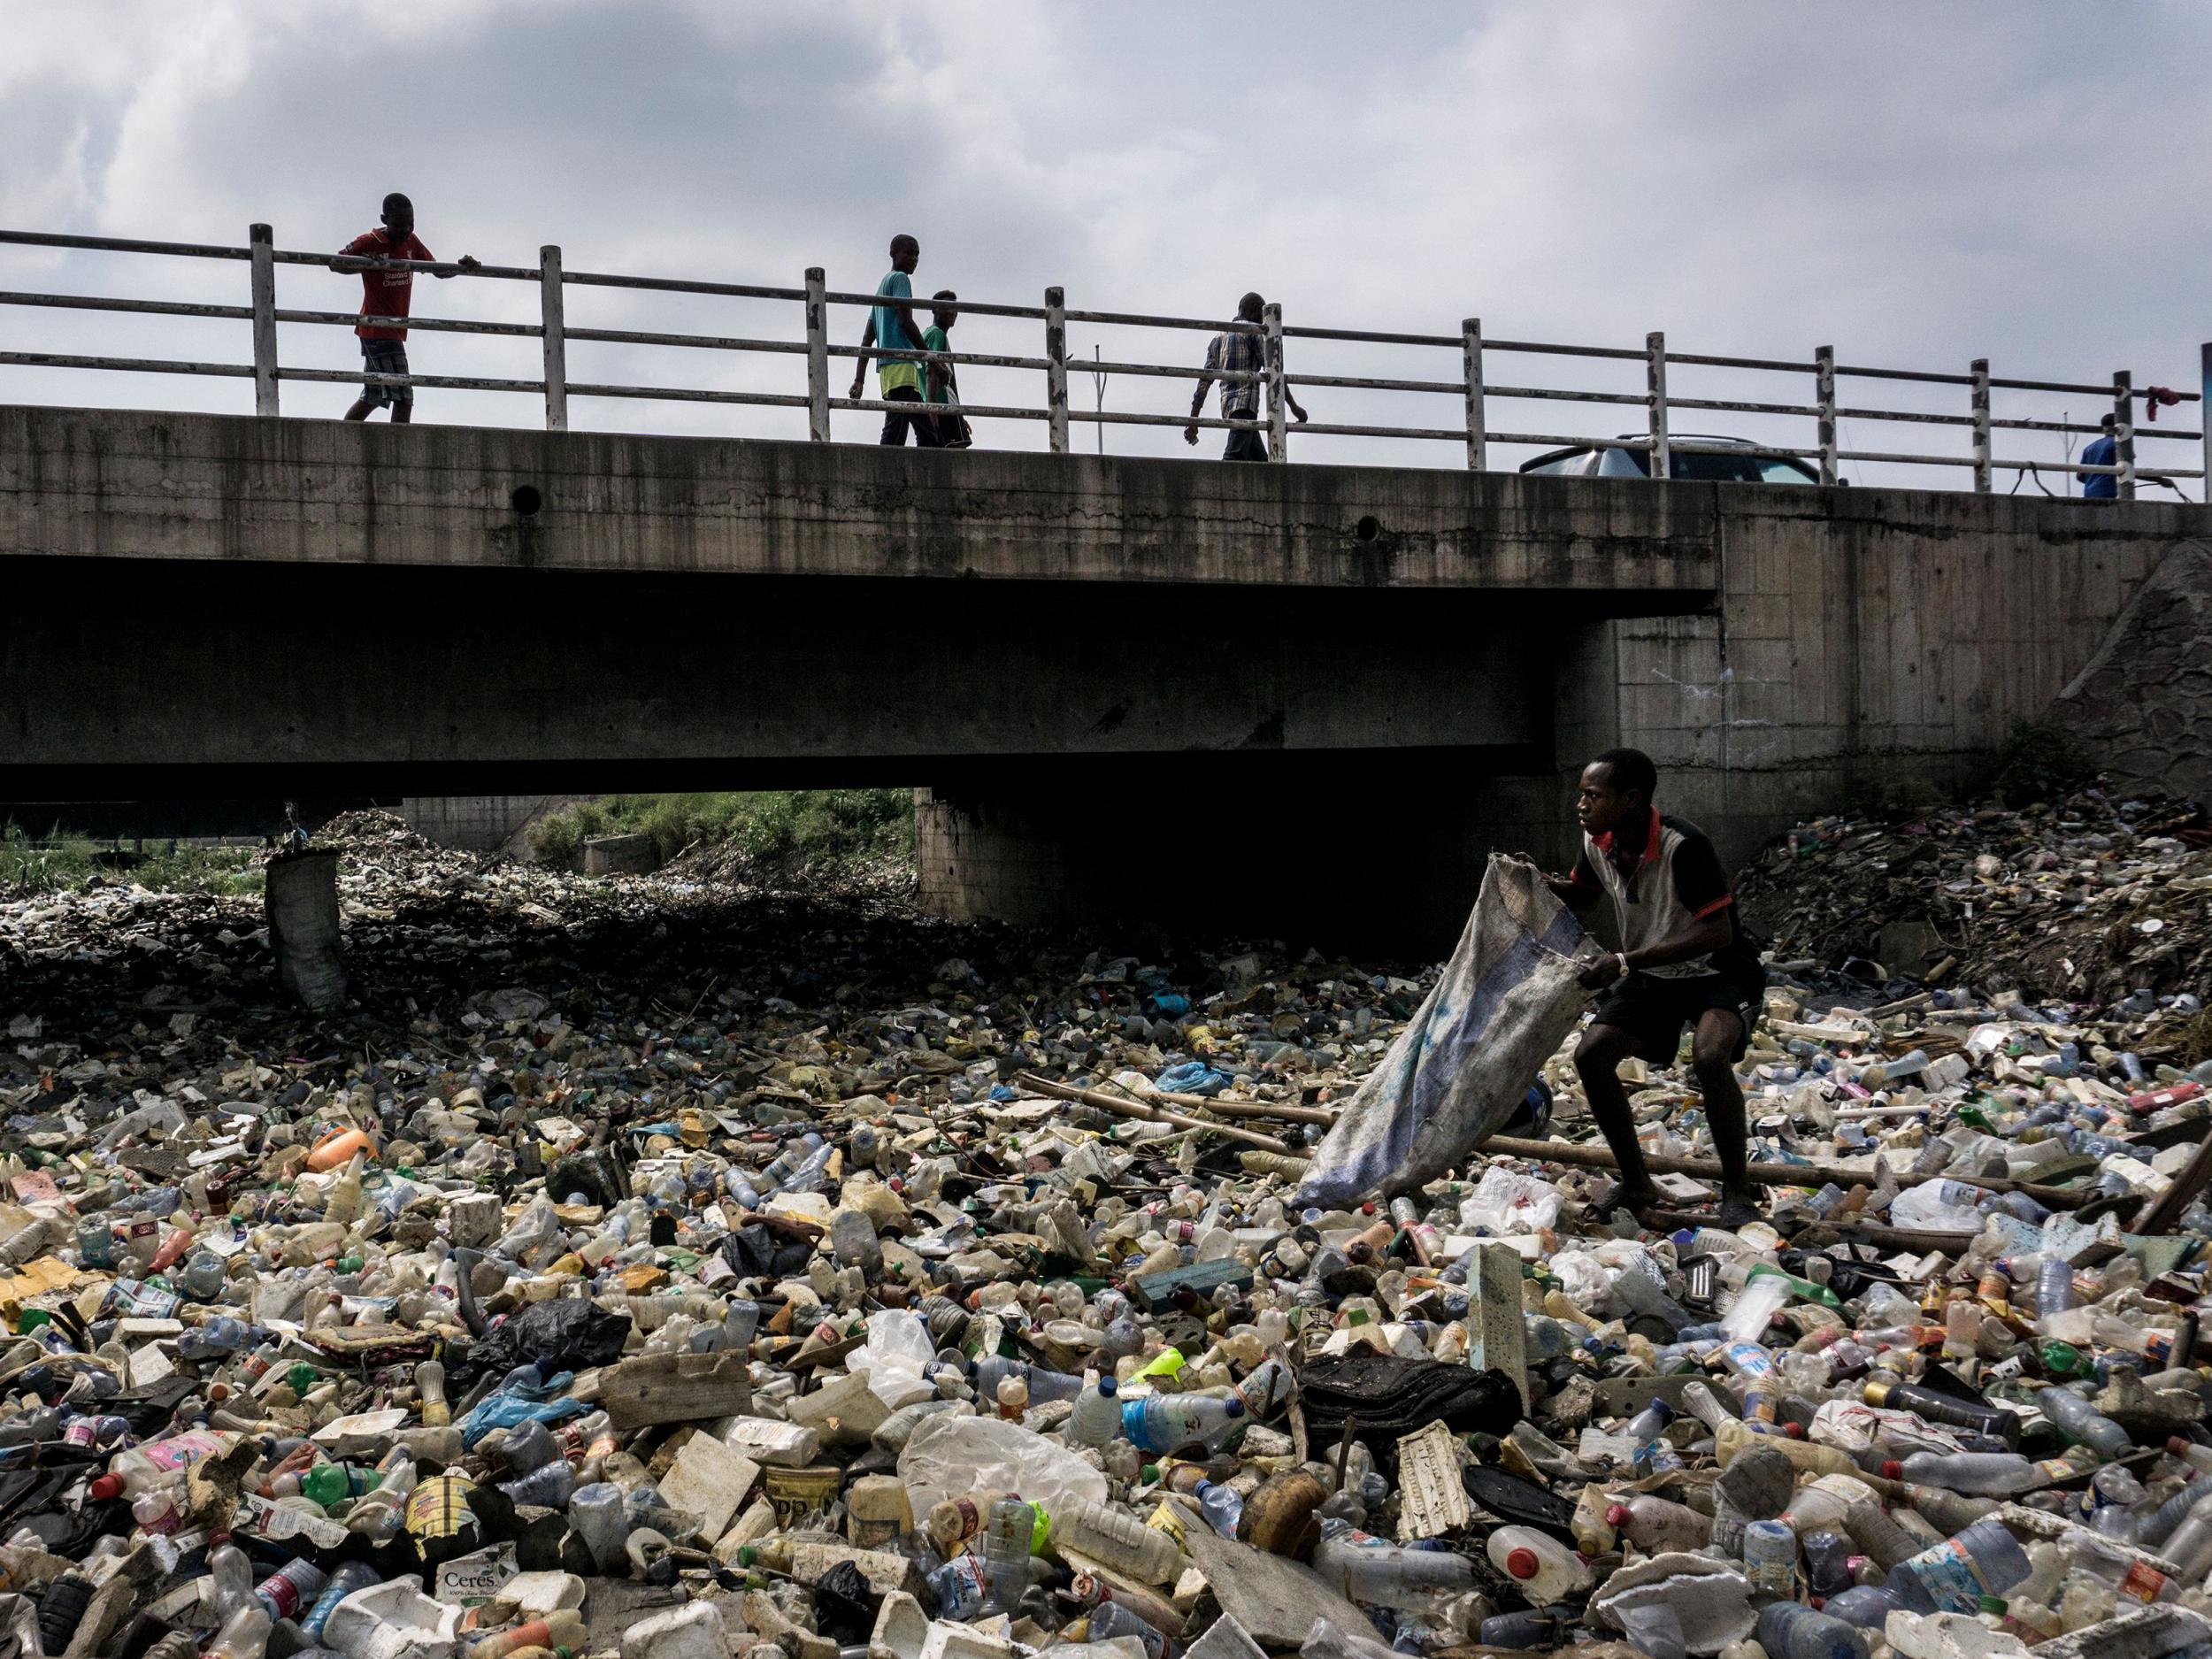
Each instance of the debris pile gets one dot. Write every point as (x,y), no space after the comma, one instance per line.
(635,1268)
(2089,896)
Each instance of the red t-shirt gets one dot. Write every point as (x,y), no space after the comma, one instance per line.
(385,292)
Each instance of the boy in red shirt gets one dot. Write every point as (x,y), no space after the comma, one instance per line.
(385,292)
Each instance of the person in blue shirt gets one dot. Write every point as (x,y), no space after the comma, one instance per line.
(2103,452)
(891,323)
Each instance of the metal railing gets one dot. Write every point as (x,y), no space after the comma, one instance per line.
(1472,388)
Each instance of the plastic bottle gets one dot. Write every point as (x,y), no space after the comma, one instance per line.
(2076,1418)
(1165,1424)
(1932,1407)
(1770,1557)
(1006,1534)
(1043,1385)
(1096,1418)
(349,1577)
(244,1635)
(962,1588)
(1954,1575)
(1878,1535)
(1223,1508)
(1536,1630)
(233,1580)
(1390,1575)
(1866,1606)
(2189,1546)
(1545,1570)
(1983,1474)
(1790,1630)
(1827,1563)
(290,1587)
(328,1484)
(1119,1540)
(430,1383)
(596,1512)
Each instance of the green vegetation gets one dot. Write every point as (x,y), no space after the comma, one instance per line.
(2039,759)
(58,861)
(781,829)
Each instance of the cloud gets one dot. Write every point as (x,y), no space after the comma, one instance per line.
(1917,186)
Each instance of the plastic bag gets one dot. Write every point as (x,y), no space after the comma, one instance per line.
(1505,1001)
(1505,1201)
(949,1457)
(569,1333)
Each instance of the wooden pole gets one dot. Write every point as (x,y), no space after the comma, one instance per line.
(1128,1108)
(1598,1158)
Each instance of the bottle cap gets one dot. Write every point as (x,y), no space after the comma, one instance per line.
(2177,1445)
(103,1487)
(1992,1603)
(1892,1470)
(1522,1562)
(1615,1514)
(1876,1393)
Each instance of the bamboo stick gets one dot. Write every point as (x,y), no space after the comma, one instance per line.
(1599,1158)
(1128,1108)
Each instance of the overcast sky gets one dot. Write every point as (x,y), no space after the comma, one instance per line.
(1918,184)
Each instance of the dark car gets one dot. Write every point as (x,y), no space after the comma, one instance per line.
(1611,460)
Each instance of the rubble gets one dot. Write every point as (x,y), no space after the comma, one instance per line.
(640,1265)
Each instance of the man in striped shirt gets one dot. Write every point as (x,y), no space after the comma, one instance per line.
(1238,351)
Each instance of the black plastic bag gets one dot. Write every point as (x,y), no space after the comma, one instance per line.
(569,1335)
(844,1610)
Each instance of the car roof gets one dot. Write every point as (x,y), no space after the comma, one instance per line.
(1549,456)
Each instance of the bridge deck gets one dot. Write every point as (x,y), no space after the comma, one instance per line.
(129,484)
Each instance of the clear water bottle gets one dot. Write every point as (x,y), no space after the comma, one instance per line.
(349,1577)
(1866,1606)
(1790,1630)
(1222,1507)
(1096,1418)
(1167,1424)
(1006,1537)
(597,1513)
(290,1587)
(1043,1385)
(2078,1420)
(1770,1557)
(1954,1575)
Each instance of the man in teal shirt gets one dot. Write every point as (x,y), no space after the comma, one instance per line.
(891,325)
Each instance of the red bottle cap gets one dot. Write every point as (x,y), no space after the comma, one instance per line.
(2177,1444)
(103,1487)
(1522,1562)
(1792,1431)
(1892,1470)
(1615,1514)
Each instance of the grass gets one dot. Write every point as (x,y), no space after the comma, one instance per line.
(58,862)
(780,828)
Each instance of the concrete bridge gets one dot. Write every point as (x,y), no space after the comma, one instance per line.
(1302,699)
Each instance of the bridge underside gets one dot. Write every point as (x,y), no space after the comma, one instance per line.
(1295,701)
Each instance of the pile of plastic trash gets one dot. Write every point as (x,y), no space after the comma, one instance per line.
(620,1284)
(2088,895)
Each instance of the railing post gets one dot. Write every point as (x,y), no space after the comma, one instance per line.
(262,241)
(1825,399)
(2204,421)
(549,304)
(1057,368)
(1980,367)
(1478,425)
(1656,389)
(818,421)
(2123,433)
(1278,411)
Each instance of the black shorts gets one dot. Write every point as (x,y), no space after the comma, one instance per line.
(1653,1010)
